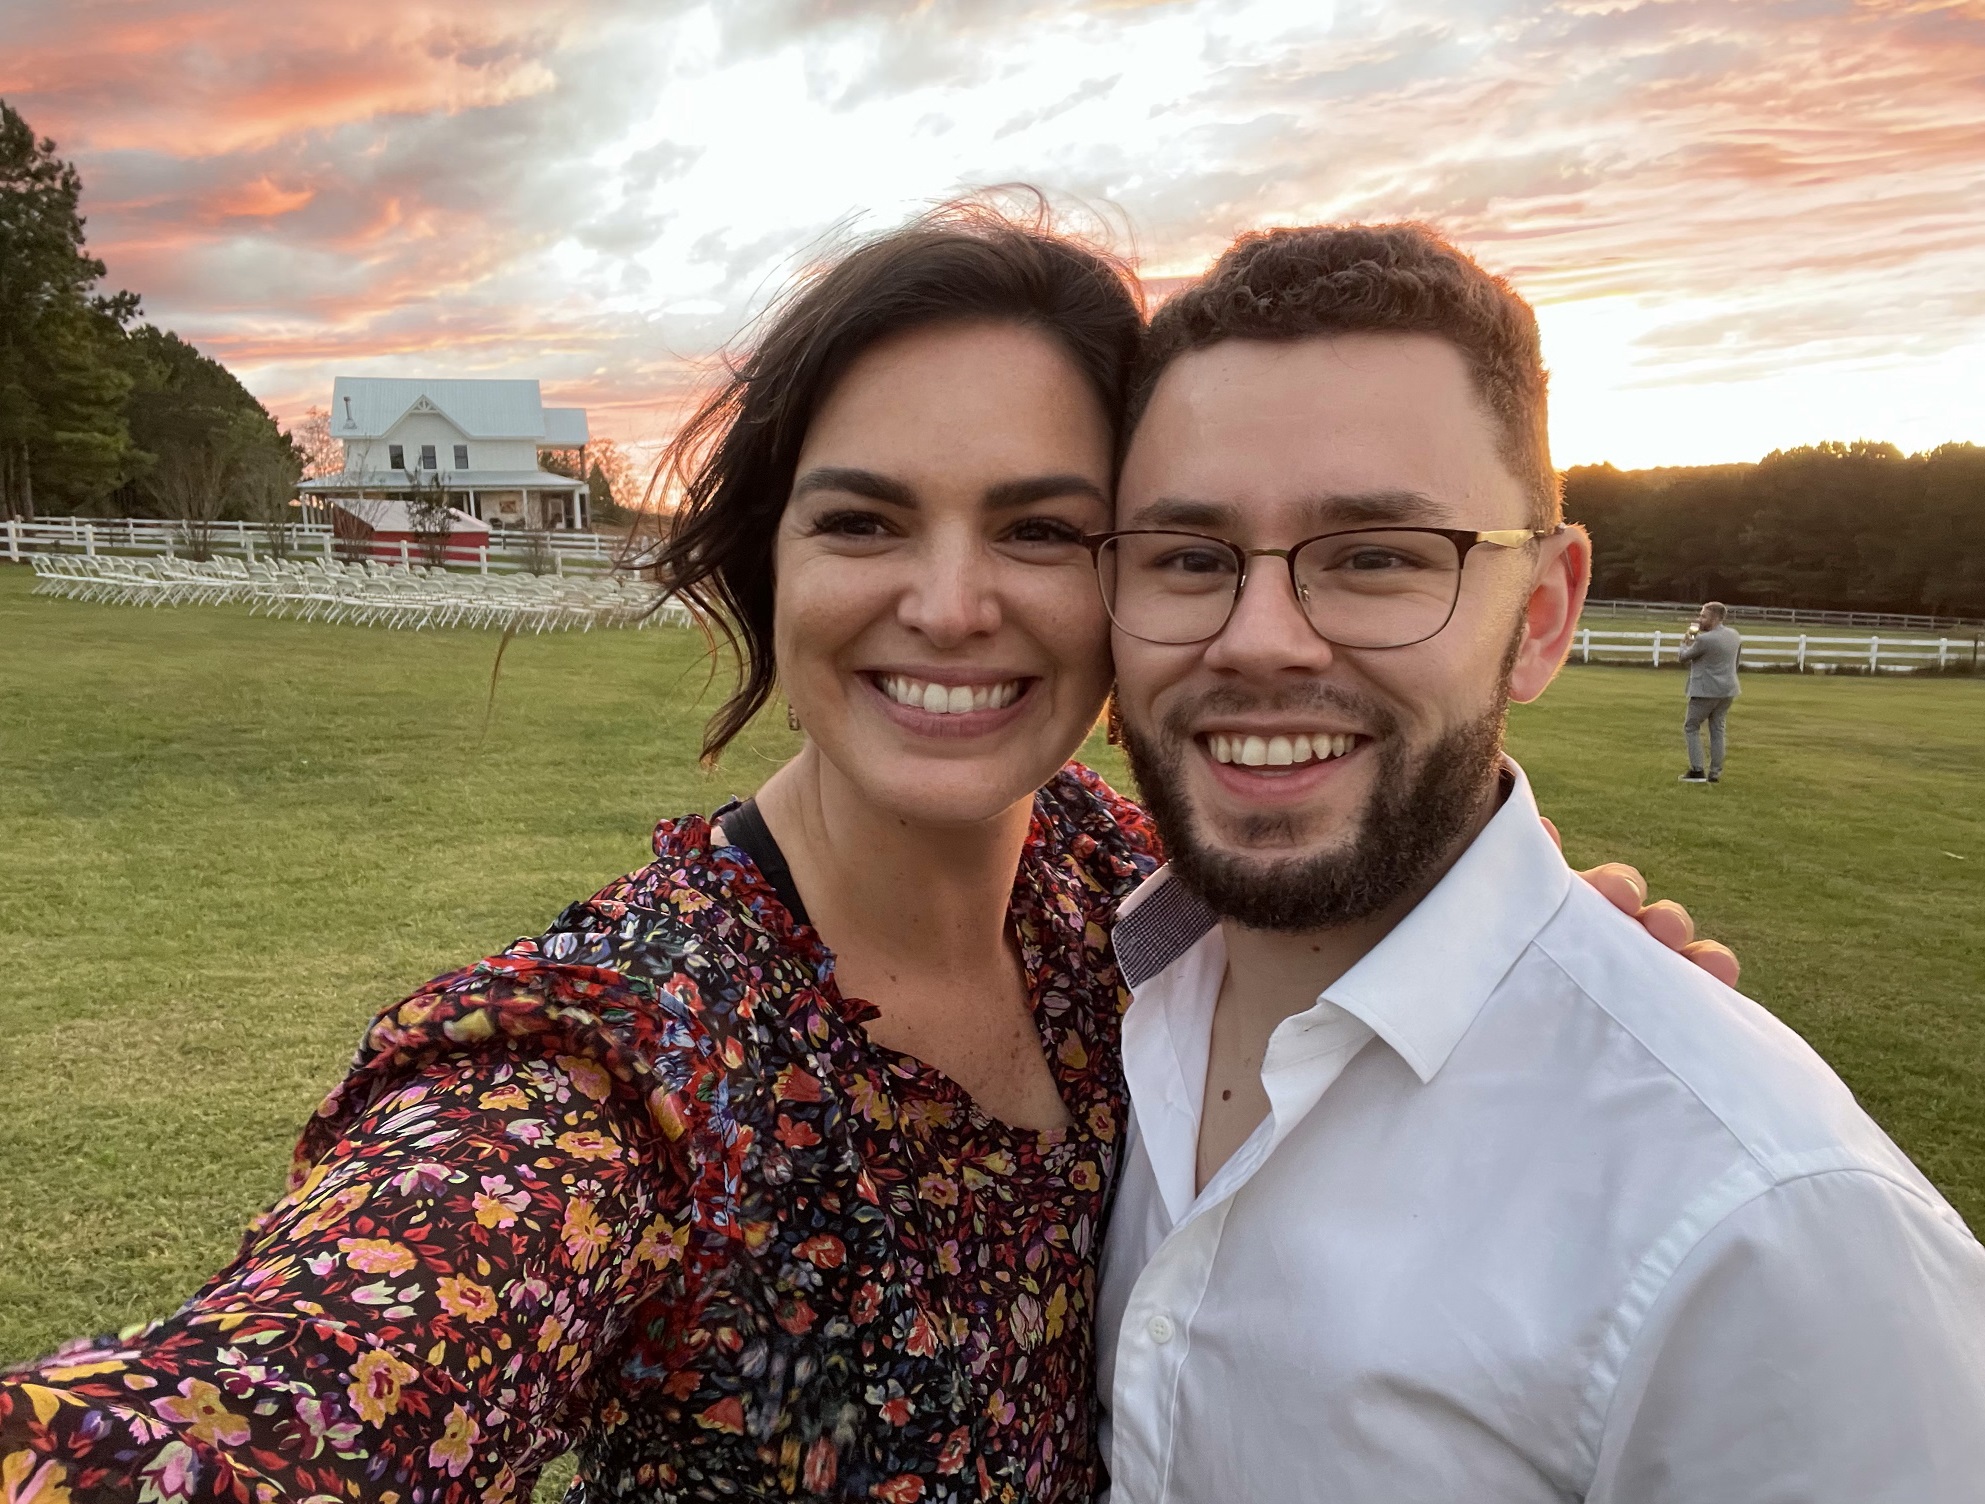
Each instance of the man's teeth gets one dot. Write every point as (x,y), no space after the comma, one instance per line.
(949,699)
(1279,751)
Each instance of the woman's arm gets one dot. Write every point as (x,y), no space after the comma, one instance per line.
(426,1307)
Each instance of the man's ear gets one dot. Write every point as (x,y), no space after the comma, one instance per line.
(1550,615)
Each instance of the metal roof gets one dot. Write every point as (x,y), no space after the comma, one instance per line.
(453,481)
(565,427)
(367,407)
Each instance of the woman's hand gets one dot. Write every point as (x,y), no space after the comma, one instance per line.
(1664,919)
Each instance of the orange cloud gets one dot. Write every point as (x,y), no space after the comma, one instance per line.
(261,199)
(198,80)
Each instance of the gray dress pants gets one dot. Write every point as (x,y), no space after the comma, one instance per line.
(1712,710)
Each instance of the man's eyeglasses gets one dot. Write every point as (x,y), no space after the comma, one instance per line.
(1367,588)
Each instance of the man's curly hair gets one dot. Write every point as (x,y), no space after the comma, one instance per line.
(1388,279)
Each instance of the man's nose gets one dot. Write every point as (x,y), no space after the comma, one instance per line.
(953,594)
(1268,632)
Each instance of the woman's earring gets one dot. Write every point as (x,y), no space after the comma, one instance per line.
(792,718)
(1115,722)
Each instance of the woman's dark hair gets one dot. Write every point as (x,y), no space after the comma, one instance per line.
(734,460)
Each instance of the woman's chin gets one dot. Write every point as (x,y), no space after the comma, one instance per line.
(946,783)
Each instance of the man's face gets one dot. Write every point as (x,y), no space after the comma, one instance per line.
(1265,445)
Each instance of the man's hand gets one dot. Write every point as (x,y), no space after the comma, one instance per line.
(1664,919)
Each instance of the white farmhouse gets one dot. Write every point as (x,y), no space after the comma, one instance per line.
(477,441)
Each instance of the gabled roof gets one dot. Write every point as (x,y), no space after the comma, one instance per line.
(367,407)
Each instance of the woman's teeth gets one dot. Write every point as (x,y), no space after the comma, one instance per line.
(1278,751)
(949,699)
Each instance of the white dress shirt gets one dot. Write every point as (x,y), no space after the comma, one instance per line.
(1541,1212)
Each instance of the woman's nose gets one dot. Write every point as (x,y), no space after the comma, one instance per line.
(953,594)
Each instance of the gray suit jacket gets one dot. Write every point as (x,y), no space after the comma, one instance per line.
(1712,661)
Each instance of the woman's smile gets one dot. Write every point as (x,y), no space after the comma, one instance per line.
(951,705)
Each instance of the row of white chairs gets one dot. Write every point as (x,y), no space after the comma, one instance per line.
(364,593)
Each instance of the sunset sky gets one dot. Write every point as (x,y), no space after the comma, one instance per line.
(1745,226)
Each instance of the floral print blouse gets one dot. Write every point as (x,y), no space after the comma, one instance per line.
(643,1186)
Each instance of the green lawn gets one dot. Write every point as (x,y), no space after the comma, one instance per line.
(228,840)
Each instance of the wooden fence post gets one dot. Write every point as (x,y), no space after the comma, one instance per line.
(89,540)
(1657,647)
(1874,655)
(14,539)
(1802,652)
(1585,645)
(485,558)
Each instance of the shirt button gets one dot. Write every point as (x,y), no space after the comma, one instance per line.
(1161,1329)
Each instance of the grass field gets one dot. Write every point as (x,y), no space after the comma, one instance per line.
(226,841)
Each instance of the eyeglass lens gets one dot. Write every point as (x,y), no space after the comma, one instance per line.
(1382,588)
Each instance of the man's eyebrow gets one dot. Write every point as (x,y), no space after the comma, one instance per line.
(1378,508)
(1332,509)
(1175,511)
(856,482)
(1023,493)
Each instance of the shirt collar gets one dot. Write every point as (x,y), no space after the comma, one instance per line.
(1421,987)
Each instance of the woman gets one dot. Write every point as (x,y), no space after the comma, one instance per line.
(778,1166)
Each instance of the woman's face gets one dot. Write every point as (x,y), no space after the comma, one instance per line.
(938,628)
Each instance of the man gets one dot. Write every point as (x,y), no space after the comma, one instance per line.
(1710,649)
(1447,1183)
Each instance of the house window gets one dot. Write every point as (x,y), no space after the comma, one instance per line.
(461,456)
(396,457)
(427,457)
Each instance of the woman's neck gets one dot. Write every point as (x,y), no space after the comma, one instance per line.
(916,918)
(925,897)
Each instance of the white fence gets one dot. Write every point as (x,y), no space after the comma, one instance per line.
(362,594)
(1793,616)
(538,553)
(1804,653)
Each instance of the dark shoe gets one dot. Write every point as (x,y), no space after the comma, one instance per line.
(1694,775)
(1715,777)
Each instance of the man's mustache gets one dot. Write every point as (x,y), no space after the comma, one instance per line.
(1368,713)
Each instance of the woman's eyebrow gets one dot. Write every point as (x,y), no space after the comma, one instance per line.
(855,482)
(1022,493)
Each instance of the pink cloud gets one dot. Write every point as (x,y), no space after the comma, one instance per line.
(315,187)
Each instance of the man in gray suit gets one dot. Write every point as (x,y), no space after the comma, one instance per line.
(1710,649)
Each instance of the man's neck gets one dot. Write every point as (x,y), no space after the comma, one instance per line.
(1272,976)
(1299,965)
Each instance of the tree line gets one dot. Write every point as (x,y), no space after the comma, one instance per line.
(100,412)
(1842,527)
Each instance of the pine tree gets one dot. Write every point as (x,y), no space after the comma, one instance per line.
(63,437)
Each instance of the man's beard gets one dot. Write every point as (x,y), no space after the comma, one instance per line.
(1421,809)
